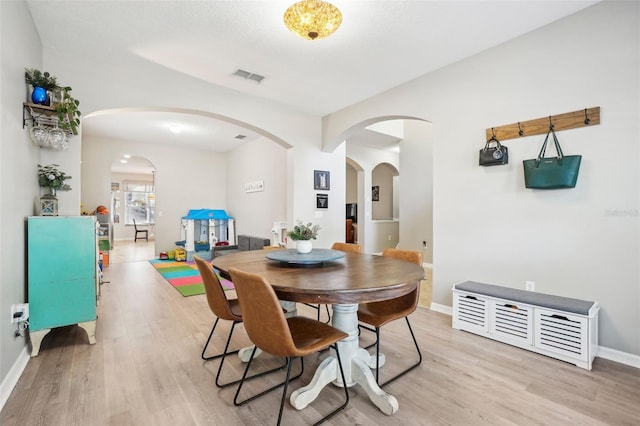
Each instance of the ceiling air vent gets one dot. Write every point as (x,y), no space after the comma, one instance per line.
(249,75)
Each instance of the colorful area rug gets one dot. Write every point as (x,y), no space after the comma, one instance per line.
(184,276)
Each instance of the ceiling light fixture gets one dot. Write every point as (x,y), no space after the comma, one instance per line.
(175,128)
(313,19)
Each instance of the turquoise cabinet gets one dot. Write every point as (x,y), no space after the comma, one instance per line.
(62,275)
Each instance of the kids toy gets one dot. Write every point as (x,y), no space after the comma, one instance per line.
(203,229)
(180,254)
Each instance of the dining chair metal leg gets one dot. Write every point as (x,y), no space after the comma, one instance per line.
(377,345)
(264,392)
(226,352)
(286,382)
(213,329)
(317,308)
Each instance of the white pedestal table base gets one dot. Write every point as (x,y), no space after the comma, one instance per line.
(355,361)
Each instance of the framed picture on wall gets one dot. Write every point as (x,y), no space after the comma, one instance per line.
(375,193)
(321,180)
(322,201)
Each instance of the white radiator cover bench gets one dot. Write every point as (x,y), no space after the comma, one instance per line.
(559,327)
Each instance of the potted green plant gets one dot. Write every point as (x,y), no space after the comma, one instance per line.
(64,104)
(37,78)
(303,234)
(42,83)
(52,178)
(68,112)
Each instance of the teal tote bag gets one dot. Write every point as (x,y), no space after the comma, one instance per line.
(551,172)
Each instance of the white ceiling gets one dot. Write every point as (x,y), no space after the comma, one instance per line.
(381,44)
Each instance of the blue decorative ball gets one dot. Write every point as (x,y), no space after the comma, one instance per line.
(39,95)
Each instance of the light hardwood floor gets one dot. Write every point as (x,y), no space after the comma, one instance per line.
(146,370)
(131,251)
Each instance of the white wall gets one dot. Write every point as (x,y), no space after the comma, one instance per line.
(382,177)
(351,184)
(582,242)
(255,212)
(416,189)
(19,190)
(185,179)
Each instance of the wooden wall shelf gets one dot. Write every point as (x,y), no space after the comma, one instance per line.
(540,126)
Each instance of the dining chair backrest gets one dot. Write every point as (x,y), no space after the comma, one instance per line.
(349,247)
(216,297)
(401,254)
(408,301)
(264,319)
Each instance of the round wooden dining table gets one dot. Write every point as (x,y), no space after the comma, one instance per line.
(343,283)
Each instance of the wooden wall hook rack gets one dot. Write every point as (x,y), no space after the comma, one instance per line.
(540,126)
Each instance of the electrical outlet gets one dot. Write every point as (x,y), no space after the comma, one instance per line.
(530,286)
(424,244)
(19,312)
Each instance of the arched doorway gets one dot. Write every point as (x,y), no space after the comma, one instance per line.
(133,199)
(404,143)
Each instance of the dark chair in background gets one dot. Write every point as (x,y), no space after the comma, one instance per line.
(349,232)
(144,232)
(377,314)
(271,331)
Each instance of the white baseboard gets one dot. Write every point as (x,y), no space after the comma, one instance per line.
(443,309)
(618,356)
(12,377)
(603,352)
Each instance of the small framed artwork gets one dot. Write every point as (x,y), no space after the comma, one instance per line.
(322,201)
(321,180)
(375,193)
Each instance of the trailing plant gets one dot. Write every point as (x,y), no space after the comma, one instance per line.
(68,108)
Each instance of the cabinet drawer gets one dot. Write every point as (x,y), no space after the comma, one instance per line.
(470,312)
(561,333)
(512,322)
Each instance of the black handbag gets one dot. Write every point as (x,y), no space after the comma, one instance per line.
(493,155)
(552,172)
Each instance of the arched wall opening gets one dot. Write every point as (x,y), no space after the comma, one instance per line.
(412,188)
(193,178)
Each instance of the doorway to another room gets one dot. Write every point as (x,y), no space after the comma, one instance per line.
(133,198)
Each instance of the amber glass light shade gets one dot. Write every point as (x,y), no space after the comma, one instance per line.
(313,19)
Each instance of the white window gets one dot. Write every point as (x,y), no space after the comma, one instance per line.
(139,203)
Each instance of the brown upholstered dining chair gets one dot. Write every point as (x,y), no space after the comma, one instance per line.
(350,247)
(222,308)
(272,332)
(378,314)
